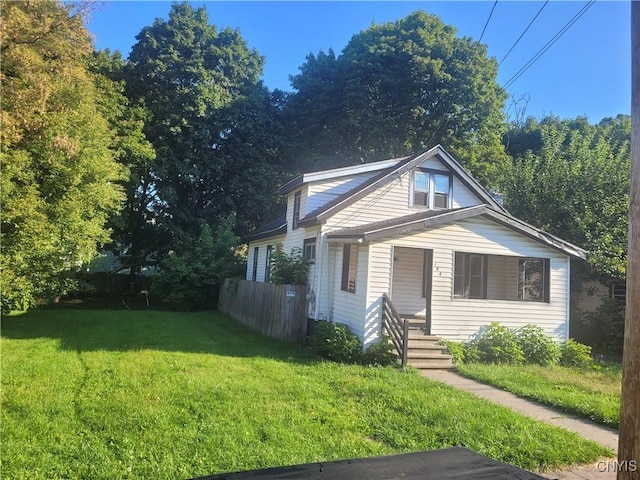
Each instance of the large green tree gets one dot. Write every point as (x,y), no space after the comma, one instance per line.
(400,88)
(209,112)
(571,179)
(133,228)
(59,177)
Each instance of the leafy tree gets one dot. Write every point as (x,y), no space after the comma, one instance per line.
(58,175)
(400,88)
(133,228)
(209,113)
(190,276)
(576,185)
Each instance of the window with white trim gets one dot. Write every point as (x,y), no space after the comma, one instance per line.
(431,189)
(309,250)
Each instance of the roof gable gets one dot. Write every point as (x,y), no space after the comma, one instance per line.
(397,169)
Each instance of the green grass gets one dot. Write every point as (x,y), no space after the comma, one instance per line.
(591,393)
(148,394)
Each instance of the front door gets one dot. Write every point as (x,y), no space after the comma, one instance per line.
(411,285)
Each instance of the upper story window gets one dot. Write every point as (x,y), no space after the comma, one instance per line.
(309,250)
(297,198)
(431,189)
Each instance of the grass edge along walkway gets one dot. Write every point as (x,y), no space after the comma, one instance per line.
(593,394)
(603,435)
(126,394)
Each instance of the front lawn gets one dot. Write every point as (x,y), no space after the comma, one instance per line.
(147,394)
(591,393)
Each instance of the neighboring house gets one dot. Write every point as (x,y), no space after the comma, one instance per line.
(421,230)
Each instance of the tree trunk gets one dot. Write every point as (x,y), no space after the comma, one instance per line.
(629,445)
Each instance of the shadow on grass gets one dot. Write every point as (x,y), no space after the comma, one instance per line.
(129,330)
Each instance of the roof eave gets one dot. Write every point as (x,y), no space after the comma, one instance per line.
(276,232)
(532,232)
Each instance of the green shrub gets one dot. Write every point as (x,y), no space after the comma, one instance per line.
(336,342)
(574,354)
(471,354)
(456,350)
(536,346)
(380,354)
(604,327)
(288,269)
(497,344)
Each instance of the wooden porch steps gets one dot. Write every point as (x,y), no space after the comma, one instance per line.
(425,353)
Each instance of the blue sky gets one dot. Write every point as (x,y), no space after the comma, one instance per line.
(586,72)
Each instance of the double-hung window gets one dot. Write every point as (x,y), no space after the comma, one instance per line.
(470,275)
(533,279)
(421,183)
(309,250)
(431,189)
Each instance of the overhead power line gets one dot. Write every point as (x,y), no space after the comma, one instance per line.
(525,31)
(487,22)
(548,45)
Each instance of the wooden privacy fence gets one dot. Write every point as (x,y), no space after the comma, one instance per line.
(279,311)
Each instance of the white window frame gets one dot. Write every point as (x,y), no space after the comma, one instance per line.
(430,192)
(309,250)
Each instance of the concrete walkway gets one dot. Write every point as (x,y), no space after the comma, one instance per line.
(585,428)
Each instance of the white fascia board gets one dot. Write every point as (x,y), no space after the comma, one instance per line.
(345,171)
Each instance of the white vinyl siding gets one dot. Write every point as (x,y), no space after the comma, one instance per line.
(391,201)
(349,308)
(378,282)
(459,319)
(262,256)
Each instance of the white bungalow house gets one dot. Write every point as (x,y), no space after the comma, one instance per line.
(422,231)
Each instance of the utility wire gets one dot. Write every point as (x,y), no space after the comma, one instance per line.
(548,45)
(525,31)
(487,23)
